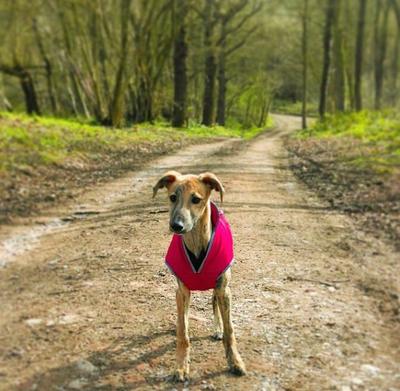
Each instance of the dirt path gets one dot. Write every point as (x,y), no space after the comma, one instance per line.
(91,305)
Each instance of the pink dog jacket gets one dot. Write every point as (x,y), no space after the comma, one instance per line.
(218,258)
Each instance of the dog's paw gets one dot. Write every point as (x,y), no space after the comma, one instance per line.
(217,336)
(238,369)
(180,376)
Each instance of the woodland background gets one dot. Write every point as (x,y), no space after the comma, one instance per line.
(211,61)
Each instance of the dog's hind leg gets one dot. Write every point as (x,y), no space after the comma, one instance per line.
(218,334)
(224,296)
(182,333)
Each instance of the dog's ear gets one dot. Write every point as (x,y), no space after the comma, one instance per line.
(213,182)
(165,181)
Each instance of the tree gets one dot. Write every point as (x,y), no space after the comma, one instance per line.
(395,68)
(348,50)
(225,17)
(180,67)
(327,43)
(47,66)
(76,95)
(153,42)
(358,65)
(304,46)
(222,82)
(396,55)
(338,57)
(26,82)
(380,40)
(210,63)
(116,109)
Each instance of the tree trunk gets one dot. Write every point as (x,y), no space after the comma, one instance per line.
(359,54)
(380,38)
(221,100)
(395,68)
(90,54)
(180,68)
(27,85)
(247,121)
(210,66)
(348,53)
(26,81)
(305,64)
(225,16)
(396,54)
(5,102)
(209,90)
(47,67)
(327,41)
(265,110)
(117,110)
(339,60)
(142,103)
(196,99)
(350,88)
(79,106)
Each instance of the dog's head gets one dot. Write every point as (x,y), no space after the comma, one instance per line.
(188,197)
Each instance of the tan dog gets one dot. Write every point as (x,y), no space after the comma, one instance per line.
(190,216)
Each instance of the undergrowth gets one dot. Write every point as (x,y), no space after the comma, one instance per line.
(30,141)
(376,136)
(293,108)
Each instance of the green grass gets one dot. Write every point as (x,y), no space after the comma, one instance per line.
(30,141)
(293,108)
(377,132)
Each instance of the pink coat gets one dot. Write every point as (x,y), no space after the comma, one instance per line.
(218,259)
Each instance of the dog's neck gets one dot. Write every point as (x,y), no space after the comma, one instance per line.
(198,238)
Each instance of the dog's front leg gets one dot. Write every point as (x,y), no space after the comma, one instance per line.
(182,333)
(218,335)
(224,296)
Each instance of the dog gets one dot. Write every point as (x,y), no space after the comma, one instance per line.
(200,255)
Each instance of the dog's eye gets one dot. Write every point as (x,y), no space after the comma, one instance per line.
(172,198)
(196,200)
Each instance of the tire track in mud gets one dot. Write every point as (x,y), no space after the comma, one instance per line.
(93,307)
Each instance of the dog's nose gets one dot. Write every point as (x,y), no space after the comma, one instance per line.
(177,226)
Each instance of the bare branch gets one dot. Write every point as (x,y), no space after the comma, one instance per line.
(257,8)
(242,42)
(235,9)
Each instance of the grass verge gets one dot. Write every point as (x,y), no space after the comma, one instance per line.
(376,135)
(43,140)
(353,161)
(44,159)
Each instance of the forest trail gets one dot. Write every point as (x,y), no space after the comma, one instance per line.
(91,305)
